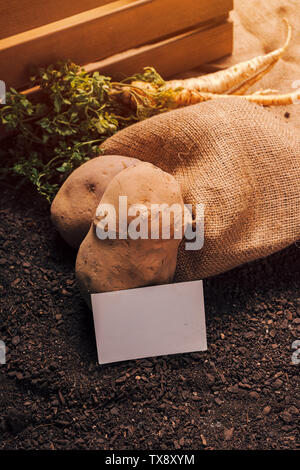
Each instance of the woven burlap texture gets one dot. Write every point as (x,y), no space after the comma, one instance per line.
(241,162)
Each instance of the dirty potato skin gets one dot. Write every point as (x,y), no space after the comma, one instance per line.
(74,206)
(116,264)
(109,265)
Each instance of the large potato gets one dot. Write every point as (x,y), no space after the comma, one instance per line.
(73,208)
(116,264)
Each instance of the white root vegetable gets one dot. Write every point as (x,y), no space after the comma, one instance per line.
(264,98)
(235,78)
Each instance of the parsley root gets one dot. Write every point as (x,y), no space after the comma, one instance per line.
(144,92)
(238,78)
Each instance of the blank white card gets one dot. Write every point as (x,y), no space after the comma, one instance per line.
(149,321)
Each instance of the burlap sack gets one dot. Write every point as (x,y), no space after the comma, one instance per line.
(241,162)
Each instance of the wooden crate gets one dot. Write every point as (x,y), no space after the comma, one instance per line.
(118,38)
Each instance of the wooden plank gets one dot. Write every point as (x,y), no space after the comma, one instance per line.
(218,40)
(100,33)
(172,56)
(17,16)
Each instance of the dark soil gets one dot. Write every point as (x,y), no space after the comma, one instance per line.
(241,394)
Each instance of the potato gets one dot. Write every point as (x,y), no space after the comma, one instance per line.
(116,264)
(74,206)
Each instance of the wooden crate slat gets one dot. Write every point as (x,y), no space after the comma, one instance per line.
(99,33)
(172,56)
(17,16)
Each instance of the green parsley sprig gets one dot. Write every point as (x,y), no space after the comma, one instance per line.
(56,132)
